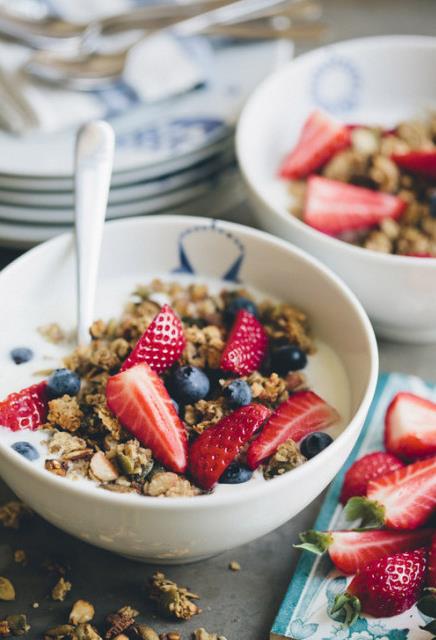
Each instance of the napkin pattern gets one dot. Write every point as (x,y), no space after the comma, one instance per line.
(304,613)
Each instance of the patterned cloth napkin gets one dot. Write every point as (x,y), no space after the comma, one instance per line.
(304,613)
(157,68)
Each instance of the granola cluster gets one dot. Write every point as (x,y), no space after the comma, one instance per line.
(368,163)
(85,437)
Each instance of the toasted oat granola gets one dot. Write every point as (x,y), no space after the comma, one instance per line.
(286,458)
(85,439)
(368,163)
(172,600)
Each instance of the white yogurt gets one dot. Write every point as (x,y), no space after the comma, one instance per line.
(325,372)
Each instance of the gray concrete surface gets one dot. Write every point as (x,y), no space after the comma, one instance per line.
(241,605)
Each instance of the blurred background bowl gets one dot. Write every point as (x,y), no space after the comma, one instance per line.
(348,81)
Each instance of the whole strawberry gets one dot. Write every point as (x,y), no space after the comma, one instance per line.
(161,344)
(367,468)
(384,588)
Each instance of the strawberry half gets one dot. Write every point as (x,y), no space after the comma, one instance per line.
(410,427)
(385,587)
(303,413)
(161,344)
(212,452)
(404,499)
(334,207)
(370,467)
(140,401)
(246,346)
(350,551)
(421,162)
(26,409)
(320,138)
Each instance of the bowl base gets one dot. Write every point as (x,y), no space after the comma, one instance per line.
(419,336)
(169,561)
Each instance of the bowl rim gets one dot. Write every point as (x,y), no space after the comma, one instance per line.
(328,242)
(245,491)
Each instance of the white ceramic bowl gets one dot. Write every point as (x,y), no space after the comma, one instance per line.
(39,288)
(371,80)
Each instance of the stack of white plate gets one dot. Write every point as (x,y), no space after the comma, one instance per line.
(173,157)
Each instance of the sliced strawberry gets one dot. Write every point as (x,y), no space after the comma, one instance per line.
(161,344)
(370,467)
(403,499)
(350,551)
(335,207)
(410,427)
(140,401)
(246,345)
(385,587)
(421,162)
(212,452)
(303,413)
(26,409)
(319,140)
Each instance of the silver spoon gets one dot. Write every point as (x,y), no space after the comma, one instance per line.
(93,168)
(97,70)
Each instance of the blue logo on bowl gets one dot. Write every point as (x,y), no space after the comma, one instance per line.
(335,86)
(212,251)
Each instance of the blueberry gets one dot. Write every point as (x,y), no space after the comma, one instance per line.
(21,354)
(26,449)
(288,358)
(236,305)
(235,474)
(61,382)
(314,443)
(432,204)
(190,384)
(238,393)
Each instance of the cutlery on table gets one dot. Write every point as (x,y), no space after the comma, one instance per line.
(93,168)
(95,70)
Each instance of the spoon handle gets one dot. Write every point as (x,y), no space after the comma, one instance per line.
(93,167)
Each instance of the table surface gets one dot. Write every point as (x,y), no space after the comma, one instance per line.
(241,605)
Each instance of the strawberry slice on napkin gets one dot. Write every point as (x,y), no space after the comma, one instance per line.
(410,427)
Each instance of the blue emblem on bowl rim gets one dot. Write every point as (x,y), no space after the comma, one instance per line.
(347,100)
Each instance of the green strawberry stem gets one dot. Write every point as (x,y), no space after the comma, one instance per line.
(346,607)
(430,627)
(427,604)
(370,513)
(314,541)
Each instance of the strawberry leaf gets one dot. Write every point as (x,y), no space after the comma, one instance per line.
(314,541)
(346,608)
(370,513)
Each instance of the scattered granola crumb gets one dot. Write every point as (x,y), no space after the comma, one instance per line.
(35,605)
(120,621)
(145,632)
(7,591)
(20,557)
(5,630)
(53,333)
(17,624)
(202,634)
(234,566)
(171,599)
(82,612)
(13,512)
(286,458)
(61,589)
